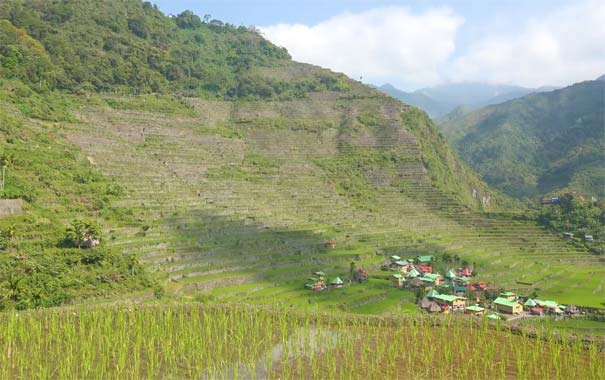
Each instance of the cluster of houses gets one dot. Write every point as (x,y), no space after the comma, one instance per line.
(511,303)
(419,273)
(507,303)
(570,236)
(319,282)
(463,292)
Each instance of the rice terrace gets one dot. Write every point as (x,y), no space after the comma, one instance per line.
(183,198)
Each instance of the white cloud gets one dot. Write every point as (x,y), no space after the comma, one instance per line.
(383,44)
(566,46)
(394,44)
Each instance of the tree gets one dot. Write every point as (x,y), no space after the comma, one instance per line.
(81,233)
(188,20)
(6,161)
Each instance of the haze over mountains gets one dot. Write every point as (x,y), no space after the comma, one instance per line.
(539,144)
(440,100)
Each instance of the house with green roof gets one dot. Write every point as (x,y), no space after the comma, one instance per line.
(460,289)
(474,310)
(462,280)
(509,296)
(425,259)
(412,273)
(453,302)
(336,283)
(432,278)
(432,293)
(529,303)
(551,306)
(450,274)
(504,305)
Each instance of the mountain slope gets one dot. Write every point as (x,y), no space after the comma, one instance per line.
(231,189)
(542,143)
(435,108)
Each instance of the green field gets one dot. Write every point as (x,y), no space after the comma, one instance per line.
(191,341)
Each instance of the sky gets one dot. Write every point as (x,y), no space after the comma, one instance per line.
(421,43)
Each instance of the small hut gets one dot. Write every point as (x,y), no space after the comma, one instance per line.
(331,244)
(474,310)
(398,280)
(572,309)
(434,308)
(415,283)
(529,304)
(424,303)
(336,283)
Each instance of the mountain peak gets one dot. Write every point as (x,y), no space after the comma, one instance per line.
(601,78)
(388,86)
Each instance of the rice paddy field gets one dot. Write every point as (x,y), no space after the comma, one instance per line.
(234,202)
(194,341)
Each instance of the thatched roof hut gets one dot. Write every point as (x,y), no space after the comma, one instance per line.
(424,303)
(434,308)
(416,282)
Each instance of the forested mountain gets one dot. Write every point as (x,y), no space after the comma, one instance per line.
(131,47)
(440,100)
(542,143)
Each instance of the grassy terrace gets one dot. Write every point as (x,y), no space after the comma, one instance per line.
(235,200)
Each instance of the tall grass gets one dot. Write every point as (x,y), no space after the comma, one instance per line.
(236,342)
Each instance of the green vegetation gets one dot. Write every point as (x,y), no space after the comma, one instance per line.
(581,326)
(540,144)
(223,342)
(579,217)
(131,47)
(58,185)
(202,152)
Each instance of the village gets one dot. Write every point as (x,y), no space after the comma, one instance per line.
(458,291)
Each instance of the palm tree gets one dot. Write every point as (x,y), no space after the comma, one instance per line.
(6,160)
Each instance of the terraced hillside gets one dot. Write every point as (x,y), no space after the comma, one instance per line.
(236,200)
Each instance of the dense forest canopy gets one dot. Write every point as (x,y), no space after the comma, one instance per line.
(545,143)
(132,47)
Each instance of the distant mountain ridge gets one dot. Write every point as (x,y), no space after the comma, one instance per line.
(538,144)
(440,100)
